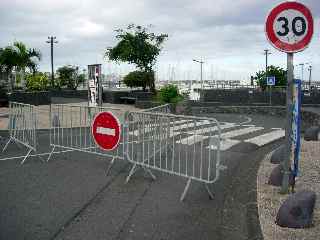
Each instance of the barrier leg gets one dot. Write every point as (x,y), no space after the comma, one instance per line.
(110,166)
(25,158)
(211,196)
(7,144)
(132,171)
(183,195)
(150,173)
(51,153)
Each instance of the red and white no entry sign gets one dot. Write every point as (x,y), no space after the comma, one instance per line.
(289,27)
(106,130)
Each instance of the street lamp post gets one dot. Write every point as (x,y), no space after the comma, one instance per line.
(52,40)
(267,52)
(310,70)
(201,78)
(302,73)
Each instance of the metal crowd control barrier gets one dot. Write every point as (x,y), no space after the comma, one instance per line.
(175,144)
(22,127)
(71,129)
(166,108)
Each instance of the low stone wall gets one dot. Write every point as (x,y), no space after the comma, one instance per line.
(83,94)
(44,97)
(33,98)
(114,96)
(253,97)
(142,104)
(309,118)
(4,99)
(279,111)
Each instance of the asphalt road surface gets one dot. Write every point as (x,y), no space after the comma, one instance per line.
(70,197)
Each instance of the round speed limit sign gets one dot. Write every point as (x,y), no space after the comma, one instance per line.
(289,27)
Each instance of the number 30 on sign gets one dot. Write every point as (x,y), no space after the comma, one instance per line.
(289,27)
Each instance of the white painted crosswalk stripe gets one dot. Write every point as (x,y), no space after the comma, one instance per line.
(186,126)
(212,129)
(150,128)
(198,138)
(240,132)
(264,139)
(225,144)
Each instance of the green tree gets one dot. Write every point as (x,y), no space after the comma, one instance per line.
(19,57)
(137,46)
(139,79)
(278,72)
(37,82)
(68,76)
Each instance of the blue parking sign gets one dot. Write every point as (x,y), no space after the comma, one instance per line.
(271,81)
(296,124)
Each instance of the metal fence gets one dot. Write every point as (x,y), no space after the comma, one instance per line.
(151,139)
(181,145)
(22,127)
(166,108)
(71,129)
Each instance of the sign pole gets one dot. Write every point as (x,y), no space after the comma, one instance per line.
(289,28)
(99,78)
(288,142)
(270,94)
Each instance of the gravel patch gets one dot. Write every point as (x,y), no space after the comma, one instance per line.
(269,199)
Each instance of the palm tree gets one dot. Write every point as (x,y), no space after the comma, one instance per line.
(19,57)
(8,62)
(26,58)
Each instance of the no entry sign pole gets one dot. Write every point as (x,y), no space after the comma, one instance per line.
(289,28)
(288,134)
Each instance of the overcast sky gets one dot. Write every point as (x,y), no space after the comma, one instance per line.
(228,35)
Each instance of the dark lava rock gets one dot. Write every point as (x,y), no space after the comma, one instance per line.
(278,155)
(297,210)
(312,134)
(276,177)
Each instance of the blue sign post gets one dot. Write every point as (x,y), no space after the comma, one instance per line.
(271,81)
(296,122)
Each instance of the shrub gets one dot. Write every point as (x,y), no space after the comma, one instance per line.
(169,94)
(37,82)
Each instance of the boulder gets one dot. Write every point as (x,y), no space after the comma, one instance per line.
(297,210)
(276,177)
(312,134)
(277,155)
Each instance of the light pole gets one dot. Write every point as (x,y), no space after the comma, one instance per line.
(201,62)
(302,69)
(310,70)
(52,40)
(266,52)
(302,73)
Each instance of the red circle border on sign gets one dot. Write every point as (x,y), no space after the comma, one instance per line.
(282,46)
(118,123)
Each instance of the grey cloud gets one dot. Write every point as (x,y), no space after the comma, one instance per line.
(228,31)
